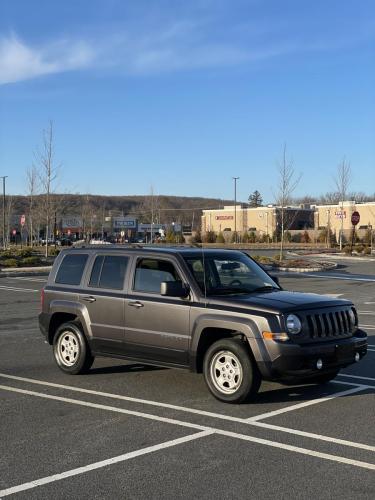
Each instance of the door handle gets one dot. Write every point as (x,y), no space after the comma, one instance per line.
(89,298)
(135,303)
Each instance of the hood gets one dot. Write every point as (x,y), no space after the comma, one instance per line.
(278,301)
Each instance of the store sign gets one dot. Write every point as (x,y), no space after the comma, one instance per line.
(71,222)
(340,214)
(121,222)
(224,217)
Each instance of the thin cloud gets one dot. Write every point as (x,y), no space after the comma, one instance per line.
(19,61)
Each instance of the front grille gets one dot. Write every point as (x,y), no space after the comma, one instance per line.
(329,324)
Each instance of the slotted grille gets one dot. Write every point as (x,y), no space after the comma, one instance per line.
(330,324)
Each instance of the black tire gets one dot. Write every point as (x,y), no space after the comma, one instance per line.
(239,378)
(324,378)
(70,349)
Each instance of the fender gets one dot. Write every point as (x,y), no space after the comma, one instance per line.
(76,308)
(247,326)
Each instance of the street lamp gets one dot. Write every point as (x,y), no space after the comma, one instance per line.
(235,207)
(4,177)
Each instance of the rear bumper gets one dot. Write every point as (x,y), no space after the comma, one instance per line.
(288,360)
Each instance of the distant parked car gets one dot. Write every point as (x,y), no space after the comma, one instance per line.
(64,242)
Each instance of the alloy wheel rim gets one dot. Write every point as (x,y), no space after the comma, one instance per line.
(226,372)
(68,348)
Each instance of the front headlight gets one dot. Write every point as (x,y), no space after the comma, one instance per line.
(293,324)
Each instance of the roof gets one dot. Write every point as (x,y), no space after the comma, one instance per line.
(157,249)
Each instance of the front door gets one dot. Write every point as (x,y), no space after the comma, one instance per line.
(156,327)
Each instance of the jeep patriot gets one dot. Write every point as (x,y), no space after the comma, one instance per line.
(211,311)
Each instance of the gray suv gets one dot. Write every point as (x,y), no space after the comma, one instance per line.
(211,311)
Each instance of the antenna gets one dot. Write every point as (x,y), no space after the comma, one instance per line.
(204,272)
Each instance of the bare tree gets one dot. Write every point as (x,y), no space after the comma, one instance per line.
(48,174)
(342,180)
(287,183)
(32,189)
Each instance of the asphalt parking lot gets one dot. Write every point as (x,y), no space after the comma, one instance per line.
(130,431)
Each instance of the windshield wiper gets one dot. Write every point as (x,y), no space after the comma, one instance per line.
(265,288)
(224,291)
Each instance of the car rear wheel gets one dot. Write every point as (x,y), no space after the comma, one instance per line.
(71,351)
(230,371)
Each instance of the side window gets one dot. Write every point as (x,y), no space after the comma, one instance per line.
(109,272)
(71,269)
(149,274)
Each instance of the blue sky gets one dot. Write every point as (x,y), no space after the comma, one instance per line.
(184,95)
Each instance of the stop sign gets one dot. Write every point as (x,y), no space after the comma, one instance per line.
(355,218)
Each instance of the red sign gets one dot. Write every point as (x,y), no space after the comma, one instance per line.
(69,232)
(14,232)
(23,220)
(224,217)
(355,218)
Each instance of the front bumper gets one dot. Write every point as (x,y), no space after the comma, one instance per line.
(289,360)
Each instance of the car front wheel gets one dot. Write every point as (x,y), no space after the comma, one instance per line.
(230,371)
(71,351)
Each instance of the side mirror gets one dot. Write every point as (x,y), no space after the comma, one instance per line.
(173,289)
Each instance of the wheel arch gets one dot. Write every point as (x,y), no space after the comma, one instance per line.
(211,329)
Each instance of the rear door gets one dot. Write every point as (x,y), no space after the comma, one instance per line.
(103,296)
(157,327)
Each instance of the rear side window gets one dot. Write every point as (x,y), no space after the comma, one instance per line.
(109,272)
(71,269)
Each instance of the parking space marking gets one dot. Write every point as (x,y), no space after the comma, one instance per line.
(103,463)
(14,289)
(358,387)
(297,449)
(205,431)
(306,403)
(205,413)
(105,407)
(312,435)
(124,398)
(27,278)
(356,376)
(346,278)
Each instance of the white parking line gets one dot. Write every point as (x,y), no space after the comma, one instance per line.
(370,313)
(27,278)
(103,463)
(356,376)
(104,407)
(199,412)
(14,289)
(347,278)
(205,432)
(371,350)
(312,435)
(358,387)
(306,403)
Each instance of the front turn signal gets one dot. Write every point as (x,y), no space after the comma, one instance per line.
(275,336)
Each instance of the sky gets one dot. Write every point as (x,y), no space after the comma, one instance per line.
(183,96)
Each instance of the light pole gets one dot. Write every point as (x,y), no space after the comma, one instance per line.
(235,208)
(4,177)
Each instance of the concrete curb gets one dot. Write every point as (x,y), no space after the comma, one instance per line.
(25,271)
(328,266)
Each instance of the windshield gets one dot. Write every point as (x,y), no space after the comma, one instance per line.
(229,274)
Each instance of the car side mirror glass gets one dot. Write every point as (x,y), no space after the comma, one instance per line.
(173,289)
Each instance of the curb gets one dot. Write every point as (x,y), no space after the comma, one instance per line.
(25,271)
(321,268)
